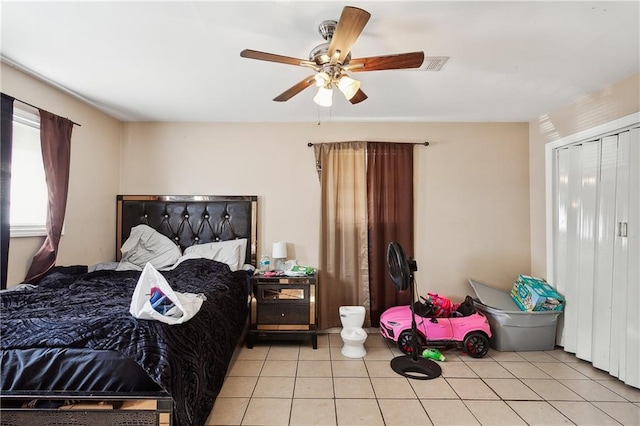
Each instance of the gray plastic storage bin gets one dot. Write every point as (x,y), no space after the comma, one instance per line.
(512,328)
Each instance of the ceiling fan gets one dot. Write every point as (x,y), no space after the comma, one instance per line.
(332,60)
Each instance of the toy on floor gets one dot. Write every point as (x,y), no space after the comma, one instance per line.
(433,354)
(465,328)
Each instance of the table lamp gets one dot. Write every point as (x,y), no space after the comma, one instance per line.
(279,255)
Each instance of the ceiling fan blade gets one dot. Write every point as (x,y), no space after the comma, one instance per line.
(271,57)
(295,89)
(350,25)
(387,62)
(358,97)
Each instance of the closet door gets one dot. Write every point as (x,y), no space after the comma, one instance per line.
(625,343)
(586,239)
(620,260)
(562,202)
(596,251)
(632,374)
(601,343)
(575,248)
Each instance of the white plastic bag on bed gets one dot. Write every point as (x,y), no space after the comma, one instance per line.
(154,299)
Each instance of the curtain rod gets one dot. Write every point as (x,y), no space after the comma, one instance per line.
(310,144)
(33,106)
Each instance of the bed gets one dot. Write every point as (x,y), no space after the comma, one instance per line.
(72,353)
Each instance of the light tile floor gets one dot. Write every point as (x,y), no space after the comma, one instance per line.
(289,383)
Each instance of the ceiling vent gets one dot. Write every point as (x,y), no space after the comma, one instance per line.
(433,63)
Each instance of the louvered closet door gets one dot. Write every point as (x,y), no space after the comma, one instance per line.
(620,261)
(632,374)
(586,240)
(577,168)
(597,251)
(562,203)
(602,314)
(625,326)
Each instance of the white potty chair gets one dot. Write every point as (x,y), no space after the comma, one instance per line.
(352,334)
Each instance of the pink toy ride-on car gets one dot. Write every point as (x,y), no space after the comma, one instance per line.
(471,332)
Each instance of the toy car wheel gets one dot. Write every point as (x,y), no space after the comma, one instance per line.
(405,342)
(476,345)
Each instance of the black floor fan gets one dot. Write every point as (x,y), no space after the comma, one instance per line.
(401,270)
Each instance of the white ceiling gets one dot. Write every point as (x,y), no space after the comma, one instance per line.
(180,60)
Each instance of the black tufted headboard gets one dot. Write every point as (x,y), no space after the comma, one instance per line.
(191,219)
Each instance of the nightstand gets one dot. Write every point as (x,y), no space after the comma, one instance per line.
(283,307)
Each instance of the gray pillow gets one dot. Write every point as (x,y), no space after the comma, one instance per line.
(146,245)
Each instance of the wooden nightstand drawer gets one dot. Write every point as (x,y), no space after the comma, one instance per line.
(283,313)
(287,295)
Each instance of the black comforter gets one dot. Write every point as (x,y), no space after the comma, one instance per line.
(189,361)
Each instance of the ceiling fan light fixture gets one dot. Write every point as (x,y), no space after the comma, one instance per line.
(331,60)
(322,79)
(348,86)
(324,96)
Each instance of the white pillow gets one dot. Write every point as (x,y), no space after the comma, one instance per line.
(146,245)
(232,252)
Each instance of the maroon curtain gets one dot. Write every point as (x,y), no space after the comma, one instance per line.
(55,141)
(390,218)
(6,126)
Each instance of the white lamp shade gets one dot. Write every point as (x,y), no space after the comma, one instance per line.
(279,250)
(322,79)
(323,97)
(348,86)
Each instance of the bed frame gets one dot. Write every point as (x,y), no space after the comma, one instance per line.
(84,409)
(187,220)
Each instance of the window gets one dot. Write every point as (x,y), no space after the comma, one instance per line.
(29,194)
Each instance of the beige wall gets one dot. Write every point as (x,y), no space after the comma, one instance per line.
(472,186)
(95,147)
(480,202)
(616,101)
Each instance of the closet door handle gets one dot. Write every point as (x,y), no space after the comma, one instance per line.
(624,229)
(619,226)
